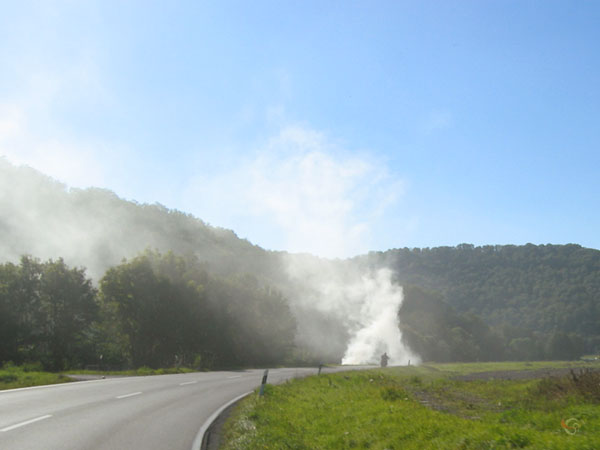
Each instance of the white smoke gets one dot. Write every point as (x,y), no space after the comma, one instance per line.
(366,303)
(377,328)
(326,201)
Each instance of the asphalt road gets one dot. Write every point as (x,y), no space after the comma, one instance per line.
(155,412)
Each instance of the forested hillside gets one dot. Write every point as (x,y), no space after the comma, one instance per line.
(530,294)
(96,229)
(132,284)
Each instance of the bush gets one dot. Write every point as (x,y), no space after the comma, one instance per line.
(8,377)
(585,383)
(32,367)
(142,371)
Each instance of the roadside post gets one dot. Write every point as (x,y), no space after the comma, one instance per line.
(320,367)
(264,381)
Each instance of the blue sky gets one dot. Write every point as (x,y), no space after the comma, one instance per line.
(328,127)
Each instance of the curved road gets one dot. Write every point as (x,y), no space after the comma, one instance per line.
(155,412)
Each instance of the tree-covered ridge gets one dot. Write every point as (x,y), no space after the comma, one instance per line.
(437,332)
(527,296)
(96,229)
(543,289)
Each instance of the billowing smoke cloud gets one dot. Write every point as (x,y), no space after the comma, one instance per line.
(365,302)
(326,202)
(377,324)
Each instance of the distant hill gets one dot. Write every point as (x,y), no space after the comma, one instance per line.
(517,299)
(96,229)
(546,289)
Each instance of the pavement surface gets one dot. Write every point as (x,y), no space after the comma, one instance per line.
(154,412)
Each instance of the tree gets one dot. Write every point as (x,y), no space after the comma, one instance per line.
(68,304)
(46,310)
(168,308)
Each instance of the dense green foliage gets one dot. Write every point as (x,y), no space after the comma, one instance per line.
(12,377)
(45,313)
(417,408)
(168,310)
(155,311)
(515,302)
(437,332)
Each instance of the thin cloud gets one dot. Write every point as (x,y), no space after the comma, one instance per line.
(32,134)
(436,121)
(320,198)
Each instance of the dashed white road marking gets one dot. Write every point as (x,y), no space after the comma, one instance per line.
(129,395)
(27,422)
(187,382)
(234,376)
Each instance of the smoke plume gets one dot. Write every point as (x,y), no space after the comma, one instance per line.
(316,196)
(328,201)
(363,302)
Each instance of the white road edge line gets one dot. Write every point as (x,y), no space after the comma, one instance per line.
(187,382)
(200,436)
(129,395)
(27,422)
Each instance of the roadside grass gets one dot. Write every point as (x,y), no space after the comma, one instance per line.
(12,377)
(467,368)
(27,375)
(420,408)
(142,371)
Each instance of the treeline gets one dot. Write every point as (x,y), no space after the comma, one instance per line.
(545,288)
(153,310)
(525,297)
(510,302)
(437,332)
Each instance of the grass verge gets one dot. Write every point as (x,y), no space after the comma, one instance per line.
(420,408)
(12,377)
(142,371)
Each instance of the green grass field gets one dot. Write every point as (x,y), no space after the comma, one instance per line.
(424,407)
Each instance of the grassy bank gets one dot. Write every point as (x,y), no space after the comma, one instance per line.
(466,368)
(12,377)
(421,408)
(142,371)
